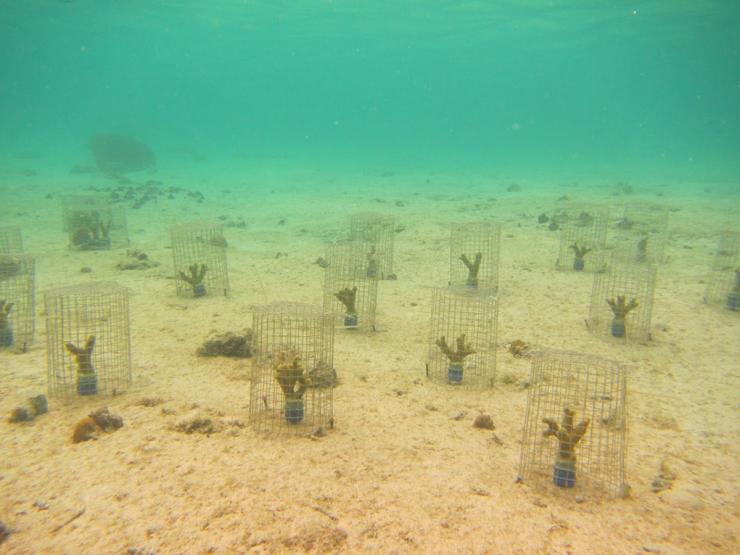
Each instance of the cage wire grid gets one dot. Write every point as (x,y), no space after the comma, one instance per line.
(628,281)
(199,244)
(458,311)
(17,286)
(75,313)
(640,235)
(347,269)
(11,240)
(379,231)
(585,227)
(723,284)
(470,239)
(595,389)
(82,216)
(284,329)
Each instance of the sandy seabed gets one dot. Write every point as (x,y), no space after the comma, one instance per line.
(398,473)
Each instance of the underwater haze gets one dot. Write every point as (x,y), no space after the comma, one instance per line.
(533,89)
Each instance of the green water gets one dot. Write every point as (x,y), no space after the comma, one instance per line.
(530,89)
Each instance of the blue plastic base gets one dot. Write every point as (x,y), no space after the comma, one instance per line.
(455,374)
(733,300)
(199,291)
(87,384)
(294,411)
(350,321)
(6,337)
(578,264)
(564,475)
(618,328)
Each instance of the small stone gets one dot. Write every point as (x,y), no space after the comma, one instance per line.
(105,420)
(459,416)
(84,430)
(484,422)
(20,414)
(4,532)
(553,226)
(513,188)
(86,270)
(39,404)
(391,277)
(321,262)
(542,218)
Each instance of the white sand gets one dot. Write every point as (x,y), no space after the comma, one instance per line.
(397,474)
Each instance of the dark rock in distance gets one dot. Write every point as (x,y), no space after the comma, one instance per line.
(116,154)
(227,344)
(484,422)
(105,420)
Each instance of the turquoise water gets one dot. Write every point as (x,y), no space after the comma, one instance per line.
(536,89)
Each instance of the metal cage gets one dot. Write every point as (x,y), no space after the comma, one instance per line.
(474,255)
(583,238)
(88,340)
(622,302)
(93,223)
(11,240)
(723,285)
(379,231)
(575,426)
(294,376)
(17,301)
(462,340)
(640,235)
(351,285)
(199,251)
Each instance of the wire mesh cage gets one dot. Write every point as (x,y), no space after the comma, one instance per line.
(723,285)
(379,231)
(17,301)
(199,251)
(462,341)
(93,223)
(88,340)
(576,424)
(11,240)
(474,255)
(351,285)
(294,377)
(641,234)
(583,238)
(622,301)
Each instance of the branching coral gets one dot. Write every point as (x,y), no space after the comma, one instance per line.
(195,279)
(567,435)
(473,268)
(290,374)
(90,232)
(348,297)
(620,309)
(461,351)
(579,252)
(83,355)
